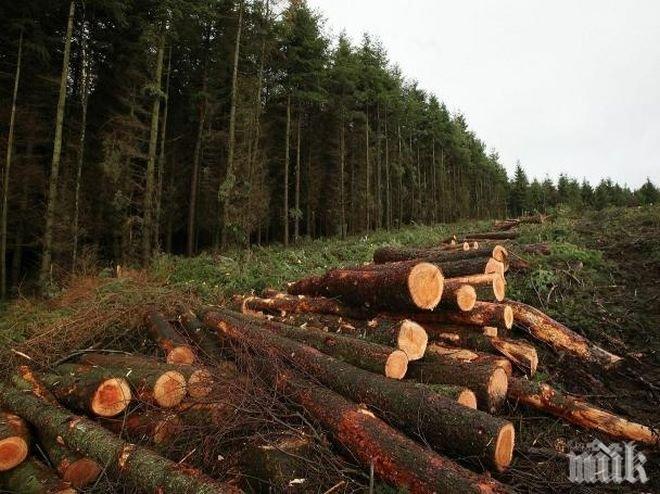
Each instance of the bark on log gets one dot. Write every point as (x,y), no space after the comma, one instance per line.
(402,286)
(175,346)
(142,467)
(444,423)
(301,304)
(459,295)
(558,336)
(483,314)
(76,470)
(14,441)
(165,389)
(494,284)
(491,236)
(205,340)
(485,375)
(95,391)
(199,381)
(33,477)
(545,398)
(159,427)
(437,255)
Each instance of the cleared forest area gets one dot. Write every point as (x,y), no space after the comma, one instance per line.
(596,274)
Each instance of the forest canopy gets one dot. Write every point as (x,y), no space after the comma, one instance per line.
(132,127)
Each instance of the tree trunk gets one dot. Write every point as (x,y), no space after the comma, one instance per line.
(159,427)
(404,287)
(342,167)
(296,224)
(47,255)
(7,176)
(492,285)
(33,477)
(491,235)
(483,314)
(367,199)
(302,304)
(437,254)
(14,440)
(160,173)
(197,153)
(388,184)
(147,231)
(458,295)
(76,470)
(443,422)
(286,171)
(224,194)
(558,336)
(84,98)
(94,391)
(140,466)
(174,345)
(542,397)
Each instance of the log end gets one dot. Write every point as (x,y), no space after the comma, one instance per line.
(200,384)
(466,246)
(490,331)
(425,284)
(500,254)
(396,365)
(167,429)
(498,384)
(111,397)
(499,288)
(504,445)
(82,472)
(494,266)
(412,339)
(466,298)
(13,451)
(170,389)
(475,245)
(181,355)
(467,398)
(508,316)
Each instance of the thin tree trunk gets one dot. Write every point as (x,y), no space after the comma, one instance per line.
(286,171)
(47,256)
(400,154)
(17,258)
(192,206)
(5,179)
(161,155)
(368,169)
(388,185)
(147,232)
(224,194)
(342,168)
(296,224)
(84,98)
(379,192)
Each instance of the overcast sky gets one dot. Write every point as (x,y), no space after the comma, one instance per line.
(563,86)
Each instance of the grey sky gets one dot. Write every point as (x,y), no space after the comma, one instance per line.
(564,86)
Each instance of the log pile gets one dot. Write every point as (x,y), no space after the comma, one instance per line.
(405,362)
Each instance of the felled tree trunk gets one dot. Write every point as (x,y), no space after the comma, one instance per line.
(505,235)
(437,254)
(374,357)
(482,314)
(199,381)
(459,295)
(159,427)
(558,336)
(95,391)
(492,284)
(467,267)
(443,422)
(578,412)
(302,304)
(486,375)
(165,389)
(142,467)
(78,471)
(14,440)
(33,477)
(402,286)
(175,346)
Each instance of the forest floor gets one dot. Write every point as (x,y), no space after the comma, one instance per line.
(602,279)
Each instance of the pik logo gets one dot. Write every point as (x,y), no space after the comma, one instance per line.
(613,464)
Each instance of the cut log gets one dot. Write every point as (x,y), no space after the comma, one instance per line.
(493,281)
(558,336)
(483,314)
(74,469)
(159,427)
(301,304)
(175,346)
(199,381)
(485,340)
(374,357)
(165,389)
(95,391)
(467,267)
(437,255)
(142,467)
(543,397)
(33,477)
(486,375)
(205,340)
(14,441)
(402,286)
(459,295)
(491,236)
(444,423)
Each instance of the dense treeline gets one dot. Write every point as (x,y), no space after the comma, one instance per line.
(180,125)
